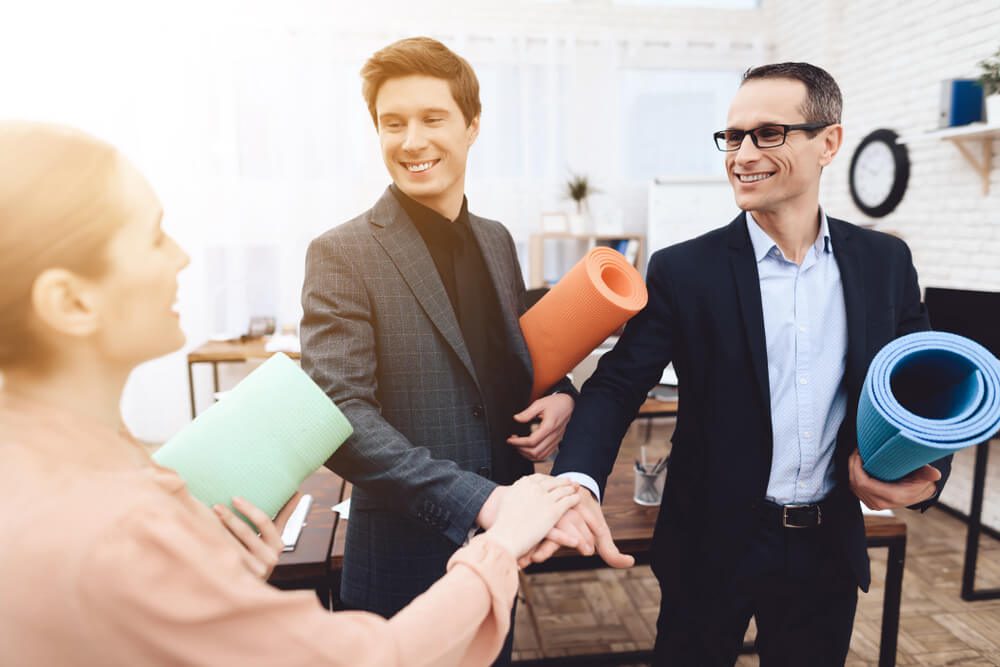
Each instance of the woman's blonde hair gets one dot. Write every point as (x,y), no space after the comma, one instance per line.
(60,205)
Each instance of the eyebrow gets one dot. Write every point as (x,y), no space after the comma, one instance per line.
(764,124)
(392,114)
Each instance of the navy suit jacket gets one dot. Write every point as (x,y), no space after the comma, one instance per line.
(704,314)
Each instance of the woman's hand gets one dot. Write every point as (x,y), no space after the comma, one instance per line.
(529,510)
(261,551)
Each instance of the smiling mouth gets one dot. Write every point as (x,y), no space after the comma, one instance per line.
(754,178)
(419,167)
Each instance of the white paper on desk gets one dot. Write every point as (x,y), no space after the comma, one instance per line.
(669,376)
(290,535)
(283,343)
(867,510)
(344,509)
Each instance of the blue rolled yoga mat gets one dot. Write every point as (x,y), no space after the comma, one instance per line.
(926,395)
(260,441)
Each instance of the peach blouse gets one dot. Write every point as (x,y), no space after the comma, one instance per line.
(108,560)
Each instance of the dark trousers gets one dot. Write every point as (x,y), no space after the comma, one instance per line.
(795,582)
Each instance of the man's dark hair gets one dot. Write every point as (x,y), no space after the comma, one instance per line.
(823,103)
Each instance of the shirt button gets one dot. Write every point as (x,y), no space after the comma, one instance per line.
(803,380)
(484,472)
(803,329)
(477,411)
(807,434)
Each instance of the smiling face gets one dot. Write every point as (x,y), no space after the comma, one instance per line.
(425,140)
(787,176)
(135,299)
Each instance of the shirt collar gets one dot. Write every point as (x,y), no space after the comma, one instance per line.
(763,244)
(424,216)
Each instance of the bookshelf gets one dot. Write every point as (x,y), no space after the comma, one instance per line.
(574,247)
(966,139)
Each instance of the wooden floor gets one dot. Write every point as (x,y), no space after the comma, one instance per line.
(589,612)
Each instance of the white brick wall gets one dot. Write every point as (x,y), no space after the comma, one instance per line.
(889,57)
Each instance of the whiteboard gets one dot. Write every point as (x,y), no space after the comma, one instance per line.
(683,208)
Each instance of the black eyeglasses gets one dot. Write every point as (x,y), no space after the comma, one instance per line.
(765,136)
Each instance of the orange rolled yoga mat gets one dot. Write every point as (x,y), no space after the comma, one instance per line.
(598,295)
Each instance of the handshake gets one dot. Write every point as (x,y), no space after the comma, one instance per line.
(538,514)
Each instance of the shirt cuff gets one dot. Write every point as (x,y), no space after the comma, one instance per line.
(585,481)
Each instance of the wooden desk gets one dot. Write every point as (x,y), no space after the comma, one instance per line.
(632,527)
(225,352)
(666,406)
(307,567)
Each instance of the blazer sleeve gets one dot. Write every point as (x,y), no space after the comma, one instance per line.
(339,353)
(913,318)
(611,398)
(159,590)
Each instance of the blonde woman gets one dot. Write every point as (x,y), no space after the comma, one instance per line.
(108,559)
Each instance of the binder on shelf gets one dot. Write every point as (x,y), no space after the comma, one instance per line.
(961,102)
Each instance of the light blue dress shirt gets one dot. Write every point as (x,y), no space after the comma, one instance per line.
(805,330)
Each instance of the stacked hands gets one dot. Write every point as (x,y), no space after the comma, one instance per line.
(547,513)
(580,525)
(531,519)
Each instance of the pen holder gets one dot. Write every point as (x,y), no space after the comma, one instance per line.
(649,486)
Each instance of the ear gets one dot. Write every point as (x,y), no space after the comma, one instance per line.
(472,132)
(833,137)
(65,303)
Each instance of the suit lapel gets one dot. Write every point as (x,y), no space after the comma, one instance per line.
(747,280)
(852,279)
(503,282)
(400,239)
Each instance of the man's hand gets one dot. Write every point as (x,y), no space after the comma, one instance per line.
(555,411)
(916,487)
(584,529)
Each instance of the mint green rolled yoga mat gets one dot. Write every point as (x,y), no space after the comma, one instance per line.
(274,429)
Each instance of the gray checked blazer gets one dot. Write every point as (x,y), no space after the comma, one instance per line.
(380,337)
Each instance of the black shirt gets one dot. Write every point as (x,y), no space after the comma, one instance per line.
(504,387)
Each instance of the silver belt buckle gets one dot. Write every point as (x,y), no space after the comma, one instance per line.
(784,515)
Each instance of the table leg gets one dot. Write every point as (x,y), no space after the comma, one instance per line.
(891,602)
(215,377)
(191,389)
(975,529)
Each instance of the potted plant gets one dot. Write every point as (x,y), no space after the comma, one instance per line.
(578,188)
(990,80)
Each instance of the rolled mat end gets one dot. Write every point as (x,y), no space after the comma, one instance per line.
(926,395)
(596,297)
(260,441)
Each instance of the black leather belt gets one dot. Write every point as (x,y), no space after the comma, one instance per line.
(793,516)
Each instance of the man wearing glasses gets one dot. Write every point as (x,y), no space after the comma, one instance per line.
(771,322)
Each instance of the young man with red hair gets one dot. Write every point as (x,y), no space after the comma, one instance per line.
(411,326)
